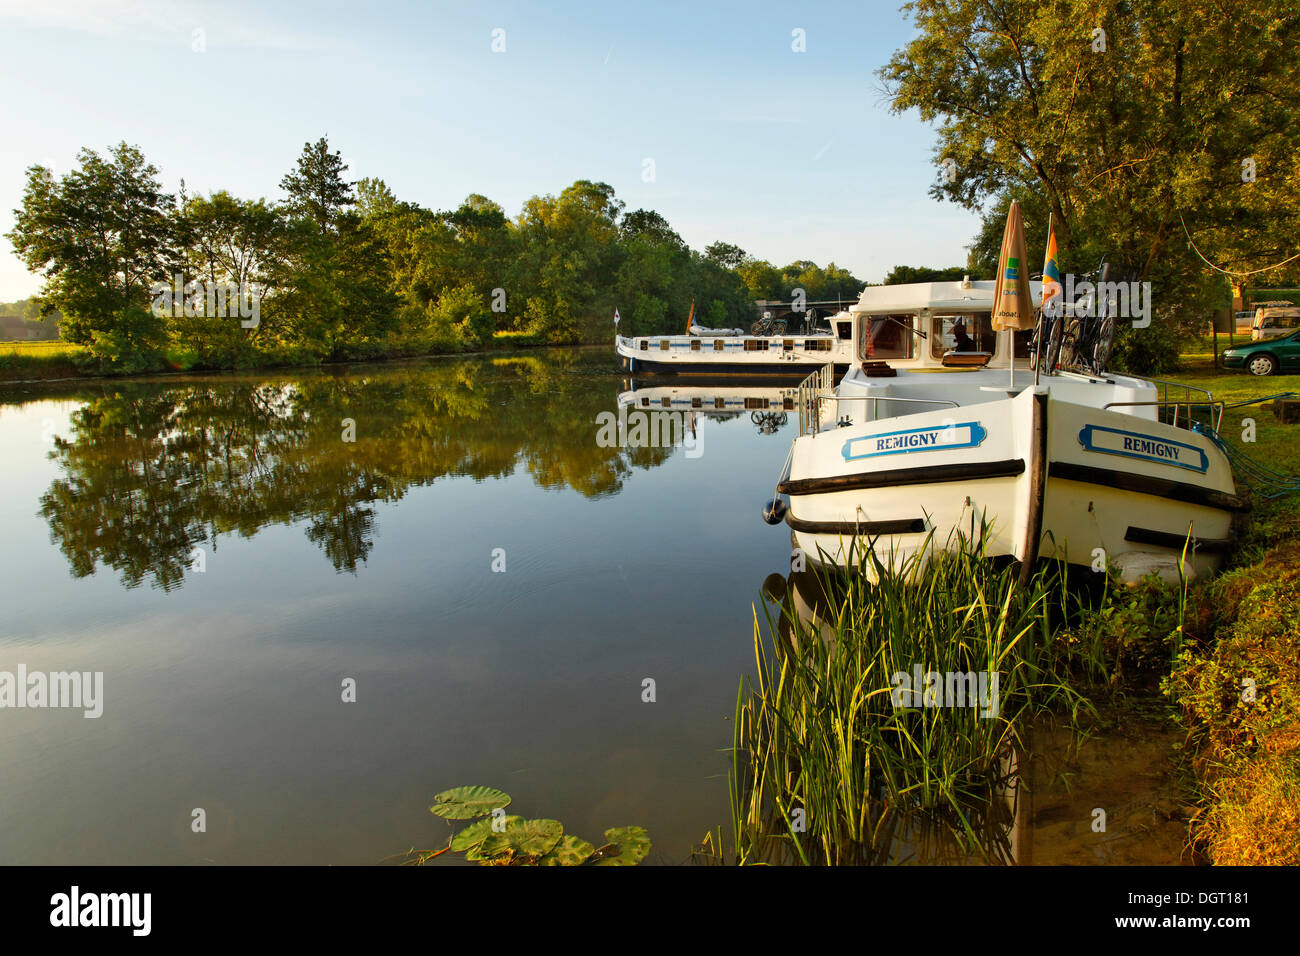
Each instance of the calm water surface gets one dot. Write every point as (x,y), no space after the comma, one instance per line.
(324,560)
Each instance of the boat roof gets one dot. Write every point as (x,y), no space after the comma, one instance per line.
(937,296)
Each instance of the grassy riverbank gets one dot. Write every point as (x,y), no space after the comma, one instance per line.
(58,360)
(1236,683)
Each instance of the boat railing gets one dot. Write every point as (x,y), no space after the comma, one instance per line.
(817,389)
(1179,396)
(1214,410)
(810,394)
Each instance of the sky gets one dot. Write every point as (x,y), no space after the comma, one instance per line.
(700,110)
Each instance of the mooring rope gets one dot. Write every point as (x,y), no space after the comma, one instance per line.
(1268,482)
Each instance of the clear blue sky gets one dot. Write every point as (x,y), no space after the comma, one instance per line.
(788,155)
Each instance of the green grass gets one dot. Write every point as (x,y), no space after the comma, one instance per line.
(1245,625)
(40,360)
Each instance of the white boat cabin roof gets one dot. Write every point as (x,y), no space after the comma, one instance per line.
(964,296)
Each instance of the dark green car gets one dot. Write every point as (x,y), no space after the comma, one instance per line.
(1266,358)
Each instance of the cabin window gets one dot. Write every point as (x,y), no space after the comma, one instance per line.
(962,332)
(816,345)
(644,345)
(717,345)
(787,345)
(756,345)
(666,402)
(787,404)
(756,403)
(885,337)
(697,403)
(844,330)
(663,345)
(719,403)
(645,402)
(695,345)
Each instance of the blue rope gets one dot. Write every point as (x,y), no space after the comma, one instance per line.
(1268,482)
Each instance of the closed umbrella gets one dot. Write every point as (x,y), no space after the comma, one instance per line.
(1013,306)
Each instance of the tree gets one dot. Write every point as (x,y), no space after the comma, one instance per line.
(725,254)
(316,188)
(647,222)
(568,248)
(235,244)
(903,275)
(335,276)
(100,237)
(1127,121)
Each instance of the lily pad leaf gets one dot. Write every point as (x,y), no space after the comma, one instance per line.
(627,846)
(570,851)
(478,831)
(525,838)
(466,803)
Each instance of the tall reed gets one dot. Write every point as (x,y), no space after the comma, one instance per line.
(826,769)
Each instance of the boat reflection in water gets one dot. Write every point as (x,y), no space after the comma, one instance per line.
(766,404)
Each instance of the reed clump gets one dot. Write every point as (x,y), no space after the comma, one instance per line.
(857,740)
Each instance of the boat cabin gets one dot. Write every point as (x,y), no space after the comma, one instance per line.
(930,325)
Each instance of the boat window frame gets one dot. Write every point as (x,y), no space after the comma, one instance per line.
(907,330)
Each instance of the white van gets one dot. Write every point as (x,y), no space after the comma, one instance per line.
(1273,319)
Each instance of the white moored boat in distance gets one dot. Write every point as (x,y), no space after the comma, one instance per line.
(729,352)
(902,457)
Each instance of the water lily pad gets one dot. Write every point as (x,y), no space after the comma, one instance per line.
(533,838)
(570,851)
(626,846)
(478,831)
(466,803)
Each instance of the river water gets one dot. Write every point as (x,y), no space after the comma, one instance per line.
(318,598)
(220,551)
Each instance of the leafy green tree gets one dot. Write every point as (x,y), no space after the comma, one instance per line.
(1128,121)
(725,254)
(317,191)
(650,224)
(334,281)
(762,279)
(903,275)
(568,249)
(100,237)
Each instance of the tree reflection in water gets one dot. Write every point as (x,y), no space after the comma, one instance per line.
(152,471)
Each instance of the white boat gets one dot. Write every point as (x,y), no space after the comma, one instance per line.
(790,356)
(1086,467)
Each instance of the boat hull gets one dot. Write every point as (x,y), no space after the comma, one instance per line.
(1039,476)
(779,358)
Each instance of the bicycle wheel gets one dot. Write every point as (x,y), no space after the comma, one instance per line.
(1103,342)
(780,327)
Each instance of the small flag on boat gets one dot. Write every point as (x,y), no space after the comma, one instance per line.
(616,316)
(690,318)
(1051,270)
